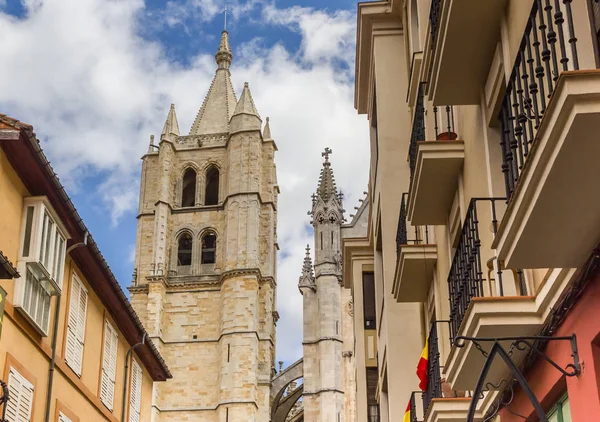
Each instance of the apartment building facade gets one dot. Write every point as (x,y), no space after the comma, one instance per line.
(71,347)
(483,118)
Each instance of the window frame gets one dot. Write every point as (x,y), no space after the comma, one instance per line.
(558,409)
(43,242)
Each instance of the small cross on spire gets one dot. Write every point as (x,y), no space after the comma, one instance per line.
(326,154)
(225,15)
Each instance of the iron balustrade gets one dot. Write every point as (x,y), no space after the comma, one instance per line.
(434,20)
(434,378)
(402,233)
(542,55)
(413,406)
(418,128)
(443,119)
(466,280)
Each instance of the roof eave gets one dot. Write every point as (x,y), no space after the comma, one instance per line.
(30,162)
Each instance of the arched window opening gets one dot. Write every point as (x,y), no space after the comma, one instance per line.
(209,248)
(211,196)
(184,251)
(188,193)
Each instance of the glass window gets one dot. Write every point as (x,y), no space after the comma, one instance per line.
(28,226)
(561,412)
(369,301)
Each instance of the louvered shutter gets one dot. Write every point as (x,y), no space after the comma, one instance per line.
(135,399)
(76,325)
(63,418)
(18,408)
(109,366)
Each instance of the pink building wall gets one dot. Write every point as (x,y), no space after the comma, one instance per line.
(549,384)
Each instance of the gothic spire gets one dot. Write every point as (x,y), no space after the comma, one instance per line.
(245,117)
(220,101)
(224,54)
(307,279)
(246,103)
(327,186)
(171,126)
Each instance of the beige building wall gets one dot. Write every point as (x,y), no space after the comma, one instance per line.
(400,332)
(27,351)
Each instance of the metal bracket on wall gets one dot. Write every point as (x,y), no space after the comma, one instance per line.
(517,343)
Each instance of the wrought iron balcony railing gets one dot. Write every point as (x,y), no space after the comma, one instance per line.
(413,407)
(421,233)
(443,124)
(434,378)
(466,278)
(434,20)
(542,56)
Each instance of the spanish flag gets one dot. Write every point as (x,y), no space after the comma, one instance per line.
(407,413)
(422,367)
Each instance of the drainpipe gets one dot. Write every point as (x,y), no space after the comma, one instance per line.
(127,356)
(55,336)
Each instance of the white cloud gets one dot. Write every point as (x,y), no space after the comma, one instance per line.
(95,90)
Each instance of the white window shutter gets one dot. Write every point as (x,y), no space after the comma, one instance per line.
(18,408)
(63,418)
(76,325)
(135,399)
(109,366)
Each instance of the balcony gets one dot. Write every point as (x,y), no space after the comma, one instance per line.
(416,260)
(485,301)
(434,165)
(457,73)
(550,148)
(440,402)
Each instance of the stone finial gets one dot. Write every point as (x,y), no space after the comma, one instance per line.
(267,131)
(151,147)
(171,126)
(280,365)
(307,279)
(327,187)
(224,56)
(245,105)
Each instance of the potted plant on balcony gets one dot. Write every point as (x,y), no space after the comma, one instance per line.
(447,136)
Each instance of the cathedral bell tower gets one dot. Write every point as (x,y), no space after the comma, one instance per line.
(323,395)
(205,263)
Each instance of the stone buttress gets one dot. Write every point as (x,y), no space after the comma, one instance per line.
(323,395)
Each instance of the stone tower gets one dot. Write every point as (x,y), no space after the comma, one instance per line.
(323,395)
(204,283)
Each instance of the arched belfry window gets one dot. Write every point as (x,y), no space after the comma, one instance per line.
(184,250)
(209,248)
(211,196)
(188,191)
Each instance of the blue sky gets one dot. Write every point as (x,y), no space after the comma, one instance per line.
(95,78)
